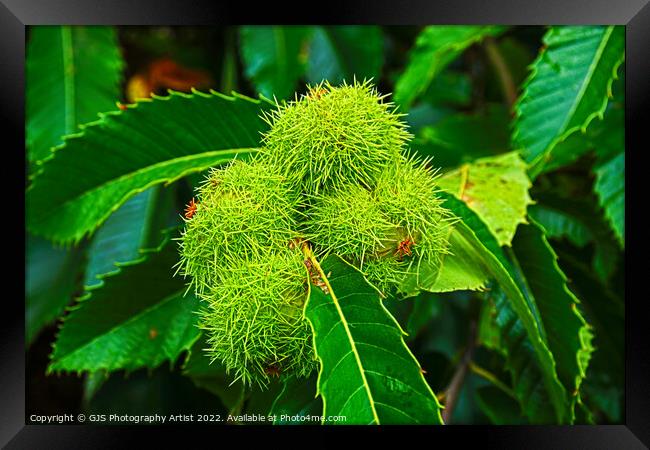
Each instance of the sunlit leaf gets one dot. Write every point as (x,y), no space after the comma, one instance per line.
(367,372)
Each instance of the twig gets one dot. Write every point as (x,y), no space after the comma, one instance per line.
(453,390)
(489,376)
(505,77)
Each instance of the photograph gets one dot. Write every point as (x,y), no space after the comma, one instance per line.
(325,225)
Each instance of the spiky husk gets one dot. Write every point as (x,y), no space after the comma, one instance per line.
(348,222)
(333,173)
(407,193)
(254,317)
(334,136)
(242,209)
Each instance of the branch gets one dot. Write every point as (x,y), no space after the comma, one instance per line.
(501,68)
(453,390)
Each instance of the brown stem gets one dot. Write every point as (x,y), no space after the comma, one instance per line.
(505,77)
(453,390)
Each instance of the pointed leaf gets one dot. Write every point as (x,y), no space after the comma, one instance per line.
(367,372)
(435,47)
(580,221)
(71,74)
(496,188)
(561,224)
(521,308)
(116,326)
(515,346)
(569,335)
(461,269)
(341,53)
(274,57)
(568,87)
(605,309)
(451,88)
(605,136)
(154,141)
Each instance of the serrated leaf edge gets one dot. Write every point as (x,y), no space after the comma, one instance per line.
(536,165)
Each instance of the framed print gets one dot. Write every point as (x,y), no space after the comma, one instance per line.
(413,218)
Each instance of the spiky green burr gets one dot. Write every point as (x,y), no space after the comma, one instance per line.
(332,175)
(334,136)
(387,231)
(242,209)
(406,195)
(348,222)
(254,317)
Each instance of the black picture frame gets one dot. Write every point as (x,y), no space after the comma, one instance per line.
(15,15)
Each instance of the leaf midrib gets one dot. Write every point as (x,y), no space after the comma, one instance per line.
(144,170)
(354,350)
(581,92)
(67,56)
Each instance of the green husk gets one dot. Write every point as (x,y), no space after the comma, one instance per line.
(334,136)
(332,175)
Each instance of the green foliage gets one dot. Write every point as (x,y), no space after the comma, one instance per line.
(277,57)
(569,336)
(483,265)
(462,137)
(212,376)
(367,372)
(604,307)
(520,308)
(138,224)
(568,87)
(97,170)
(435,48)
(561,224)
(297,399)
(536,400)
(461,268)
(71,74)
(499,407)
(343,53)
(115,326)
(496,188)
(51,280)
(274,57)
(610,187)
